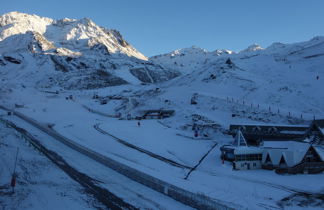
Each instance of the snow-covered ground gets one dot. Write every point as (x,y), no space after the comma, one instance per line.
(129,191)
(253,189)
(40,184)
(280,84)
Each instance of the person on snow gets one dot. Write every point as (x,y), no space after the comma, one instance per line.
(196,133)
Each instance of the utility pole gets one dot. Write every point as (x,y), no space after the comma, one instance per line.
(14,175)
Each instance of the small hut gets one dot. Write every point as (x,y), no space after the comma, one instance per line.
(157,114)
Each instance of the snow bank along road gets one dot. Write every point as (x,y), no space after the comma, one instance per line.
(194,200)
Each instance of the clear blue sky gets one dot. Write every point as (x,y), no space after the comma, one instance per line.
(155,27)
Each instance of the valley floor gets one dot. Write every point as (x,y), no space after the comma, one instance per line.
(167,153)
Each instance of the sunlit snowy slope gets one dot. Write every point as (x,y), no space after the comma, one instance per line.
(288,77)
(73,54)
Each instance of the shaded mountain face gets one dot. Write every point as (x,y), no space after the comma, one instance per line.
(72,54)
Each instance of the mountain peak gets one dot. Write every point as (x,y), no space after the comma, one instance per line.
(190,50)
(73,34)
(252,48)
(221,52)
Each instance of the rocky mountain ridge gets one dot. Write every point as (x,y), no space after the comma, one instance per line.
(67,33)
(73,54)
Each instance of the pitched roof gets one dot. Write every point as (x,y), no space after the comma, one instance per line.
(239,140)
(247,150)
(292,151)
(320,125)
(291,145)
(320,151)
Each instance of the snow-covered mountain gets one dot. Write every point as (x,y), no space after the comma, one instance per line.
(77,54)
(74,35)
(283,79)
(44,63)
(83,54)
(251,48)
(187,59)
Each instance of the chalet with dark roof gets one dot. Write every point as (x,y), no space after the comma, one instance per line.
(316,132)
(254,134)
(292,157)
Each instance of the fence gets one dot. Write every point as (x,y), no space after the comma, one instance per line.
(99,113)
(195,200)
(272,110)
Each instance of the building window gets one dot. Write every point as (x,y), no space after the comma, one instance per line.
(248,157)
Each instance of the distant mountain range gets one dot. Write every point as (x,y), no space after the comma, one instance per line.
(77,54)
(282,76)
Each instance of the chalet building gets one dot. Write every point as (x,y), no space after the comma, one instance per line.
(247,158)
(285,148)
(255,134)
(242,156)
(228,150)
(284,156)
(292,157)
(316,132)
(157,114)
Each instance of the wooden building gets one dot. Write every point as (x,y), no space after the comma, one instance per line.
(242,156)
(316,132)
(157,114)
(227,151)
(292,157)
(255,134)
(247,158)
